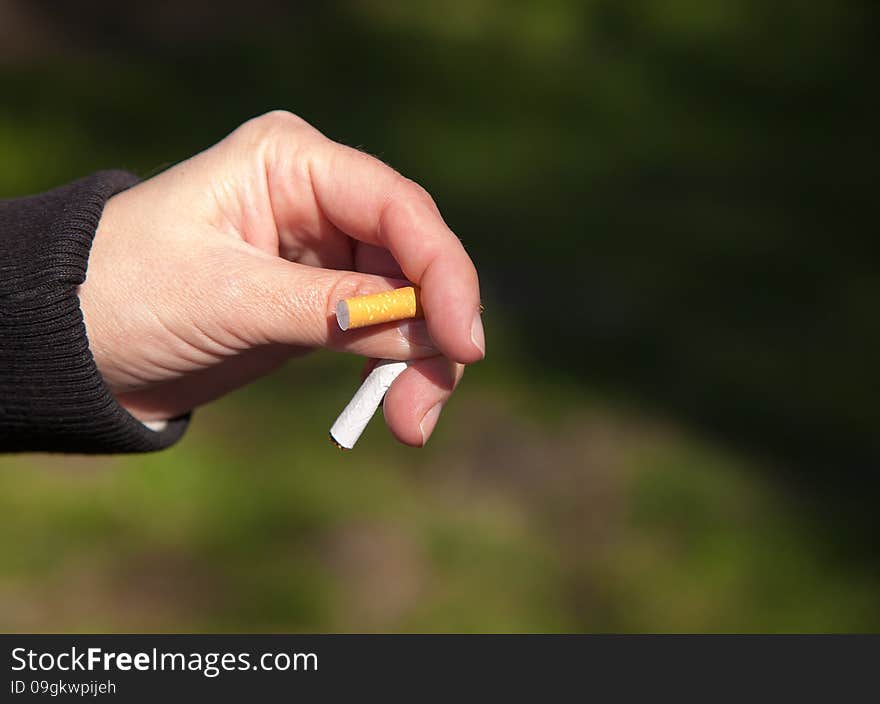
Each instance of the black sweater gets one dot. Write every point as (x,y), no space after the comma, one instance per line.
(52,397)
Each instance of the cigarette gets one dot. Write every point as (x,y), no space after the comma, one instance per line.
(385,307)
(357,414)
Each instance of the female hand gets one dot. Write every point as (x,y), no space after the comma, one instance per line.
(216,271)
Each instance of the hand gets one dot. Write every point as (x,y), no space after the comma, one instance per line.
(216,271)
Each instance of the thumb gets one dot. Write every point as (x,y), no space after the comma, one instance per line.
(280,302)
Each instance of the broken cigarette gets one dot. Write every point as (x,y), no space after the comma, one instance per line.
(376,308)
(358,312)
(357,414)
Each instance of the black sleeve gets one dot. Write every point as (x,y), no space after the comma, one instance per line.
(52,397)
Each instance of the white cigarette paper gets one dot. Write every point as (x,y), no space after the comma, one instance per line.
(357,414)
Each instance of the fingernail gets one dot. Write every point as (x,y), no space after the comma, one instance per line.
(478,337)
(429,421)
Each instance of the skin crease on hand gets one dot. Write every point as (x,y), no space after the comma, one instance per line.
(215,272)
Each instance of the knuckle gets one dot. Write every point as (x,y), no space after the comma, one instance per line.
(269,125)
(405,201)
(279,120)
(418,193)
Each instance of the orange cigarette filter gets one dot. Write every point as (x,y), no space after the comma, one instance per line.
(376,308)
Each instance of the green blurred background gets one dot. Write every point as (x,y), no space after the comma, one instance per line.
(672,205)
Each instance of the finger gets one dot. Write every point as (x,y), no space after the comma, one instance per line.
(369,366)
(404,340)
(371,202)
(413,404)
(273,301)
(376,260)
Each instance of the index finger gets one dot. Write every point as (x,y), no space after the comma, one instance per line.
(371,202)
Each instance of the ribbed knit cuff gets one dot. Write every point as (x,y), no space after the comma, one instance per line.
(52,397)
